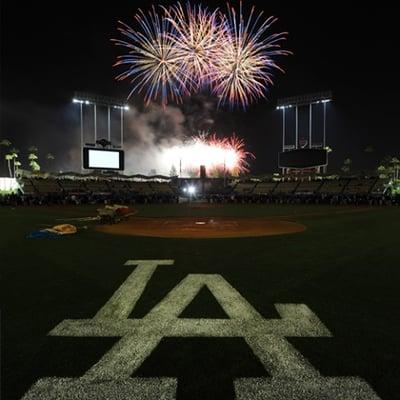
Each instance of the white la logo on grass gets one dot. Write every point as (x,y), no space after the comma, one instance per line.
(293,377)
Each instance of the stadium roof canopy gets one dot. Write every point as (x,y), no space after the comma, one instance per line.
(304,100)
(88,98)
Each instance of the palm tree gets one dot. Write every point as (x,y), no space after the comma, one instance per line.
(8,158)
(33,149)
(382,171)
(14,154)
(396,166)
(50,158)
(33,162)
(17,165)
(346,165)
(33,159)
(4,143)
(390,166)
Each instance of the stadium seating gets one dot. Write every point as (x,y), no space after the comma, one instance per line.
(140,188)
(265,188)
(308,187)
(28,187)
(118,186)
(72,186)
(46,186)
(162,188)
(286,187)
(359,186)
(333,187)
(244,188)
(379,187)
(77,189)
(97,186)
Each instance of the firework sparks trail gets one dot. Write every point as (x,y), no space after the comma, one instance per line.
(153,60)
(243,71)
(186,49)
(217,154)
(198,38)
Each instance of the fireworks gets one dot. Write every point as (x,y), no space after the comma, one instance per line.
(197,40)
(218,155)
(182,50)
(153,59)
(243,70)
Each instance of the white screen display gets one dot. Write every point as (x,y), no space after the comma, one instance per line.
(103,159)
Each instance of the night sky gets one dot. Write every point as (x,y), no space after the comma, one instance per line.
(51,49)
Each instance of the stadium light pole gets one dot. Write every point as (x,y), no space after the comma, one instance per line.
(95,123)
(284,128)
(325,168)
(310,128)
(81,113)
(89,99)
(109,124)
(300,101)
(297,127)
(80,102)
(324,139)
(122,128)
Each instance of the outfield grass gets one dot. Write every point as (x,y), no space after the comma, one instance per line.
(344,267)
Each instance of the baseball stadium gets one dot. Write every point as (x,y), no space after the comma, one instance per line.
(192,223)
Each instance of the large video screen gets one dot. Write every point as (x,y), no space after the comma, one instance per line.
(103,159)
(303,158)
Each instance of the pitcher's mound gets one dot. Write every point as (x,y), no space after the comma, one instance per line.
(202,227)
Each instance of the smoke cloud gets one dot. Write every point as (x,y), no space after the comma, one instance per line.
(148,135)
(148,132)
(151,132)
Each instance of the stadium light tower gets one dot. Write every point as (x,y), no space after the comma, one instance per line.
(308,100)
(305,100)
(86,99)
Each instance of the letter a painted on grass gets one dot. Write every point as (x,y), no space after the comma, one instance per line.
(292,376)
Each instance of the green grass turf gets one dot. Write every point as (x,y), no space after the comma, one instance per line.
(344,267)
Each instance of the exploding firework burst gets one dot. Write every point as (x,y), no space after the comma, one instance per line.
(243,71)
(184,49)
(219,155)
(198,38)
(154,65)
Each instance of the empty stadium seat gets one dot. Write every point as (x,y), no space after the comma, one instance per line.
(379,187)
(244,188)
(264,188)
(334,187)
(309,187)
(97,186)
(27,187)
(118,186)
(141,188)
(359,186)
(162,188)
(286,187)
(72,186)
(46,186)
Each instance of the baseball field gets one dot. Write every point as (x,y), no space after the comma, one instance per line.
(194,301)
